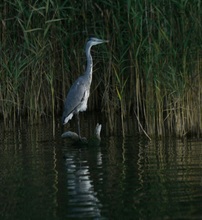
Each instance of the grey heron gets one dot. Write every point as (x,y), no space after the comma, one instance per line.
(77,97)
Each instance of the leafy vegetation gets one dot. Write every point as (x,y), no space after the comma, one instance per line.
(151,69)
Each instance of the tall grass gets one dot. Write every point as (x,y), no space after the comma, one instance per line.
(150,70)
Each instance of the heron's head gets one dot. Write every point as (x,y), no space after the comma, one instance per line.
(94,41)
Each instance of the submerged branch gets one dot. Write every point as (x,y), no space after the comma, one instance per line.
(94,140)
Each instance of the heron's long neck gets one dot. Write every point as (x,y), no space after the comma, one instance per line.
(89,67)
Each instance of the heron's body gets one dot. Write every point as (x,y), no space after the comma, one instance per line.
(79,92)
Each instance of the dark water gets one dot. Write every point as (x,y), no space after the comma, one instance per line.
(42,177)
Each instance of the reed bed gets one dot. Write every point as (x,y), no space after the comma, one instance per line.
(150,70)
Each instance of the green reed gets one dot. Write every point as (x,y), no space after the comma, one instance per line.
(151,69)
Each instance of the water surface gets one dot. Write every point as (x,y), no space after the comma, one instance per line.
(45,177)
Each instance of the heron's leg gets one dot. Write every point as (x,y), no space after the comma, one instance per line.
(78,123)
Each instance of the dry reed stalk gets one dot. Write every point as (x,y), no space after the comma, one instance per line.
(152,65)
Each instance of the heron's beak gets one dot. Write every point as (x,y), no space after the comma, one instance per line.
(105,41)
(95,41)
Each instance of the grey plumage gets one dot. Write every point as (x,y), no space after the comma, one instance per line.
(77,97)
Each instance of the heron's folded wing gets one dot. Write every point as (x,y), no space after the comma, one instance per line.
(74,97)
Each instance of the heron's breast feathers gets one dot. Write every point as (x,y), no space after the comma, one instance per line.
(76,100)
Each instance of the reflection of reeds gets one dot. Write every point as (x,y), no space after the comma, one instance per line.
(152,65)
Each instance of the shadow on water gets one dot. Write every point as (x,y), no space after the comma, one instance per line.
(49,178)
